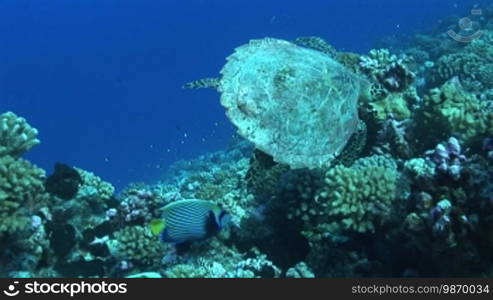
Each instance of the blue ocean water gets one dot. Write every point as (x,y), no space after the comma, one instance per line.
(101,79)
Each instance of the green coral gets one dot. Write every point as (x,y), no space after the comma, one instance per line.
(21,192)
(94,186)
(359,198)
(394,105)
(16,135)
(461,113)
(473,65)
(137,244)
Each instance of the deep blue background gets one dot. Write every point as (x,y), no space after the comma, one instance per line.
(101,79)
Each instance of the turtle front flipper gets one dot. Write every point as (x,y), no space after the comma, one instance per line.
(212,82)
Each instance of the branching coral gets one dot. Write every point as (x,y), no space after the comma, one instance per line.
(21,192)
(16,135)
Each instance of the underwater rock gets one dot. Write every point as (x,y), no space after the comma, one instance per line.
(64,182)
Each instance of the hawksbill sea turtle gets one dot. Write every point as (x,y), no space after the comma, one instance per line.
(293,100)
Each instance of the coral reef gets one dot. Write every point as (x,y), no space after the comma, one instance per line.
(411,194)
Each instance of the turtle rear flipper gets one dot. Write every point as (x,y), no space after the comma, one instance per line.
(204,83)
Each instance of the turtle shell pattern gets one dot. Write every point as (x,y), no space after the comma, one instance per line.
(294,103)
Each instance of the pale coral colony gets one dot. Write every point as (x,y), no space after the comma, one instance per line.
(411,194)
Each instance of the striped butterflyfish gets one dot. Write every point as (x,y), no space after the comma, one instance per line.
(188,220)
